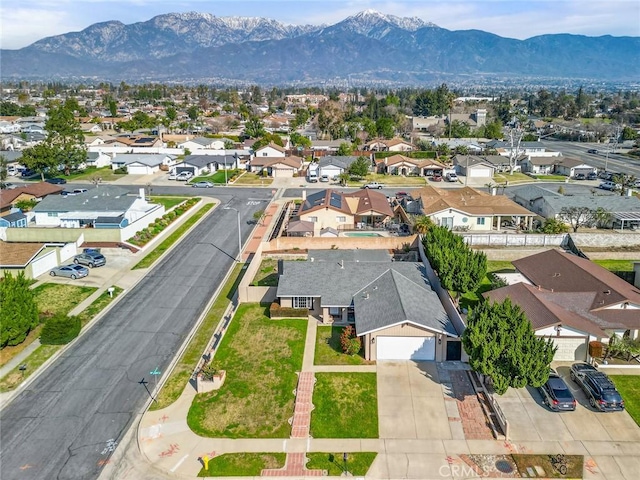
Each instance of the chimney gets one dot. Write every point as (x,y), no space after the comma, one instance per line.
(304,195)
(341,263)
(141,193)
(493,191)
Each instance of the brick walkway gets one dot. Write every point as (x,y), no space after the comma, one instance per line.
(294,467)
(259,232)
(474,422)
(302,411)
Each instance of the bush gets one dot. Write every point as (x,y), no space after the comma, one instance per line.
(120,171)
(350,342)
(276,311)
(596,349)
(60,330)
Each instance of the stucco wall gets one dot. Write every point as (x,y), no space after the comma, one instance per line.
(328,218)
(614,239)
(322,243)
(515,239)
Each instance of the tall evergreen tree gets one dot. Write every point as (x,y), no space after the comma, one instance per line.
(18,312)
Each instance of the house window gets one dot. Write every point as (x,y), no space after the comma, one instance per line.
(302,302)
(480,221)
(341,219)
(313,219)
(334,311)
(265,154)
(52,214)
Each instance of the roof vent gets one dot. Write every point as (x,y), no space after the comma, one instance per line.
(556,274)
(365,295)
(311,259)
(607,292)
(341,263)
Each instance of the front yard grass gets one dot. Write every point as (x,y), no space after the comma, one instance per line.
(167,201)
(267,274)
(15,377)
(261,357)
(629,388)
(181,373)
(98,305)
(253,179)
(388,180)
(346,406)
(328,349)
(242,464)
(218,177)
(358,463)
(57,298)
(10,351)
(515,177)
(551,178)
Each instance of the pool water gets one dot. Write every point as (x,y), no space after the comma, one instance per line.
(362,234)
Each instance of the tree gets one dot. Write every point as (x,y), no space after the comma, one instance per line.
(493,129)
(254,127)
(422,224)
(553,226)
(4,172)
(19,312)
(39,158)
(193,112)
(300,140)
(578,216)
(171,113)
(345,149)
(625,181)
(344,178)
(360,167)
(629,133)
(257,216)
(502,345)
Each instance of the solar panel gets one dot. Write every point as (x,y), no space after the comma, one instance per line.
(335,200)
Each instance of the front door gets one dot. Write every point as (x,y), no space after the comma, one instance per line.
(454,350)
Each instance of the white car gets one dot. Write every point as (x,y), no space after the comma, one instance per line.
(452,177)
(173,175)
(184,176)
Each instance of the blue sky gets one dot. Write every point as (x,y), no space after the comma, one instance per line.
(23,22)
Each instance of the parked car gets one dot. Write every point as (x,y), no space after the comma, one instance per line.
(8,186)
(324,178)
(202,184)
(184,176)
(401,195)
(312,178)
(609,185)
(27,173)
(173,175)
(91,258)
(71,271)
(592,150)
(598,387)
(375,185)
(556,395)
(452,177)
(592,176)
(436,178)
(56,181)
(579,176)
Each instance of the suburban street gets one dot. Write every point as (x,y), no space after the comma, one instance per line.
(69,420)
(614,162)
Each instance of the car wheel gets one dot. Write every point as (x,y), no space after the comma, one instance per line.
(592,402)
(75,260)
(53,274)
(379,188)
(572,376)
(73,277)
(91,265)
(366,187)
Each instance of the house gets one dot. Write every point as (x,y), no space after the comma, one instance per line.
(345,211)
(472,146)
(539,165)
(526,148)
(549,204)
(14,220)
(105,202)
(426,123)
(327,145)
(394,310)
(142,163)
(401,165)
(578,300)
(33,192)
(572,166)
(466,209)
(205,164)
(393,145)
(333,166)
(97,160)
(90,128)
(200,143)
(144,141)
(12,157)
(33,259)
(276,167)
(478,118)
(271,150)
(476,167)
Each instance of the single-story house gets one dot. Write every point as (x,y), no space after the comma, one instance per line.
(142,163)
(474,166)
(104,202)
(90,128)
(97,140)
(140,141)
(276,167)
(327,145)
(299,228)
(333,166)
(345,211)
(271,151)
(97,159)
(34,259)
(572,166)
(401,165)
(33,192)
(472,146)
(525,148)
(205,164)
(539,165)
(395,311)
(200,143)
(466,209)
(393,145)
(14,220)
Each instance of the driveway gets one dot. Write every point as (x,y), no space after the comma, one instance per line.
(530,420)
(411,403)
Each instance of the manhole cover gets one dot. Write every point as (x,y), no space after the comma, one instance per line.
(504,466)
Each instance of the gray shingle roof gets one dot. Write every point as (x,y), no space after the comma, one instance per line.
(359,255)
(101,199)
(339,161)
(148,159)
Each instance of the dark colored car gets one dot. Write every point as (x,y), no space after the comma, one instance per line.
(56,181)
(598,388)
(27,173)
(579,176)
(592,150)
(91,258)
(556,394)
(592,176)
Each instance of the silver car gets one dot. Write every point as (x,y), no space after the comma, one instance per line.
(71,271)
(202,184)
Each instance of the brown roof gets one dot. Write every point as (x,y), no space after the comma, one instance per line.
(544,308)
(38,190)
(564,272)
(418,162)
(17,254)
(361,202)
(294,162)
(274,146)
(466,199)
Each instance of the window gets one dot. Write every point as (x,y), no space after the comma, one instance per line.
(480,221)
(341,219)
(52,214)
(313,219)
(302,302)
(334,311)
(265,154)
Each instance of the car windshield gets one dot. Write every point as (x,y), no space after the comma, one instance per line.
(611,396)
(560,389)
(77,267)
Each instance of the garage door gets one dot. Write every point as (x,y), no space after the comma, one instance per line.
(44,263)
(282,173)
(570,349)
(480,172)
(406,348)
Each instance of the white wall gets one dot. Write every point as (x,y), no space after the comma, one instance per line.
(141,222)
(67,251)
(458,220)
(564,332)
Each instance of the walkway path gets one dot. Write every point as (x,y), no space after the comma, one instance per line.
(260,232)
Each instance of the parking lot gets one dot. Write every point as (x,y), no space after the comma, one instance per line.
(530,420)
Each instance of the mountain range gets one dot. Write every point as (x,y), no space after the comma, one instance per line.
(365,48)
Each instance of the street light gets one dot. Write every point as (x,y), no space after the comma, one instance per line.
(239,231)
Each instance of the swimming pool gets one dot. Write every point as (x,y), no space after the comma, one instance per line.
(362,234)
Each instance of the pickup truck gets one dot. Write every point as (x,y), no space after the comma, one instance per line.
(375,185)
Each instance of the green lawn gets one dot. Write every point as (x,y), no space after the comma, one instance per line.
(629,388)
(98,305)
(329,352)
(168,201)
(551,178)
(157,252)
(55,298)
(616,265)
(40,355)
(389,180)
(515,177)
(358,463)
(346,406)
(267,274)
(253,179)
(181,373)
(500,266)
(261,357)
(218,177)
(242,464)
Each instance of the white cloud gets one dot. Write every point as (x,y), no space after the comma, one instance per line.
(23,26)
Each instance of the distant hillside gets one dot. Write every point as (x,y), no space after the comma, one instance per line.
(367,47)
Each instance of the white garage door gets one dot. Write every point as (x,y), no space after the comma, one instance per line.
(406,348)
(282,173)
(44,263)
(480,172)
(570,349)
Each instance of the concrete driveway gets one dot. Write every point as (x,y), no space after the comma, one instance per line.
(411,403)
(530,420)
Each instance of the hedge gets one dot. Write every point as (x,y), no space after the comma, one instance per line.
(145,235)
(276,311)
(60,330)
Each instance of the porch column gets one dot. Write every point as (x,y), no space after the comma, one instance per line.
(499,222)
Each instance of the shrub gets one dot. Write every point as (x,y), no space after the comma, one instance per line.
(120,171)
(60,330)
(350,343)
(497,281)
(276,311)
(596,349)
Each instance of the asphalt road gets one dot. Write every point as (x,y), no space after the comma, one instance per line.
(66,424)
(613,162)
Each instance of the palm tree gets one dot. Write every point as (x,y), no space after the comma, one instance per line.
(422,224)
(344,178)
(625,181)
